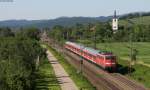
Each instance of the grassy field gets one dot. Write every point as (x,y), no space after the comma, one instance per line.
(45,77)
(122,50)
(79,79)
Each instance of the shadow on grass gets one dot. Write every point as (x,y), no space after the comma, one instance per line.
(124,69)
(46,82)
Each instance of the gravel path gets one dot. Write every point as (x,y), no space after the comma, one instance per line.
(65,81)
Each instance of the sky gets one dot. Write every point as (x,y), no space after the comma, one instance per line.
(51,9)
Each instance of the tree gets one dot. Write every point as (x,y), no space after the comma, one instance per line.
(31,32)
(6,32)
(17,61)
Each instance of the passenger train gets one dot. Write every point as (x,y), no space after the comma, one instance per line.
(106,60)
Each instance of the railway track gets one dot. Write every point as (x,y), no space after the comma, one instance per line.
(105,79)
(96,79)
(131,83)
(101,79)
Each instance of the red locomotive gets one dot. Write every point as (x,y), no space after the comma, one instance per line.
(105,60)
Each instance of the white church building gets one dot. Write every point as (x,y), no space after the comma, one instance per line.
(115,23)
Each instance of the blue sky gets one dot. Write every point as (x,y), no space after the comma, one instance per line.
(50,9)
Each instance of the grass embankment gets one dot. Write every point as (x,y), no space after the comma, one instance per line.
(45,77)
(79,79)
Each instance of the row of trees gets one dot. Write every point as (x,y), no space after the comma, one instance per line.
(80,31)
(136,33)
(101,32)
(18,54)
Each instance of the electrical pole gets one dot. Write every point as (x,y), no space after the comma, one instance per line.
(132,53)
(94,39)
(81,61)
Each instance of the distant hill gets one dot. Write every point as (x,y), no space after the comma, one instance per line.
(64,21)
(137,17)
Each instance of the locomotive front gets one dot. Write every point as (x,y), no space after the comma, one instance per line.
(110,62)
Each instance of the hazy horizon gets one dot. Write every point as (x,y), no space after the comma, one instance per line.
(52,9)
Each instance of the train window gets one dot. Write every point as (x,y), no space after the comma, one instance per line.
(94,57)
(110,57)
(86,53)
(100,57)
(90,55)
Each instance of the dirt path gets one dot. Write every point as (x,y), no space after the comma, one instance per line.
(65,81)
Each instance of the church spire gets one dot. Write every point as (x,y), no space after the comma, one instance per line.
(115,22)
(115,16)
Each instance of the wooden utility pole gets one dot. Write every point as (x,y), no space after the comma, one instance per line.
(94,31)
(131,54)
(81,61)
(94,39)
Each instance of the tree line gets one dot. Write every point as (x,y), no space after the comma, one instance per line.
(18,54)
(101,32)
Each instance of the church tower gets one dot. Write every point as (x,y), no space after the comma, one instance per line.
(115,22)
